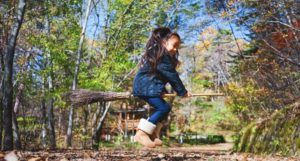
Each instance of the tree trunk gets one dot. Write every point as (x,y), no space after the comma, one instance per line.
(50,114)
(18,101)
(1,118)
(51,128)
(1,96)
(16,133)
(96,115)
(62,121)
(9,52)
(44,116)
(75,79)
(1,82)
(70,126)
(97,131)
(85,124)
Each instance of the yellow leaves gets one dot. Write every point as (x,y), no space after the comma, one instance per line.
(285,35)
(235,88)
(257,28)
(230,2)
(209,31)
(204,45)
(269,13)
(246,90)
(206,39)
(21,61)
(224,14)
(125,2)
(245,97)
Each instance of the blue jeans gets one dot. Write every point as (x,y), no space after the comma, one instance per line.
(161,108)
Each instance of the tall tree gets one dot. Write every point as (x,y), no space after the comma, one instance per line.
(50,114)
(9,52)
(76,72)
(21,78)
(1,82)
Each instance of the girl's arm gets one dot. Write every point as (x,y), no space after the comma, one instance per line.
(166,69)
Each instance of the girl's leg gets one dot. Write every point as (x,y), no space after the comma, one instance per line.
(144,130)
(162,109)
(148,127)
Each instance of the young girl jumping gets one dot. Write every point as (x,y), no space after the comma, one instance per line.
(157,68)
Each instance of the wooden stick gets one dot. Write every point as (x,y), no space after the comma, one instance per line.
(193,95)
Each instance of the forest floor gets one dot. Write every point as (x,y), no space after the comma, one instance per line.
(216,152)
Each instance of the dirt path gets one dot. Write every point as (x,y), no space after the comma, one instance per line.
(217,152)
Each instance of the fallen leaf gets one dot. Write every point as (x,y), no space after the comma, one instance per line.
(11,156)
(35,159)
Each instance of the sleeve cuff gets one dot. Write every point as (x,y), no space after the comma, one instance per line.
(182,93)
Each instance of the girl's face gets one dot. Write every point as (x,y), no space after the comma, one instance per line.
(172,44)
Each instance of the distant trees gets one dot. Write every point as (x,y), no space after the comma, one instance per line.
(267,70)
(273,61)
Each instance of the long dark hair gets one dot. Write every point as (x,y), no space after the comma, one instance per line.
(155,49)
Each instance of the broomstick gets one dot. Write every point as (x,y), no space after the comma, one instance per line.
(83,96)
(195,94)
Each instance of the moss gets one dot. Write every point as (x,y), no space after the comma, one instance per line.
(298,143)
(245,137)
(254,132)
(278,134)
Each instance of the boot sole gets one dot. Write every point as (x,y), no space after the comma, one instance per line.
(136,139)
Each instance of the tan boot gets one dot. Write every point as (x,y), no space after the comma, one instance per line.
(156,134)
(145,129)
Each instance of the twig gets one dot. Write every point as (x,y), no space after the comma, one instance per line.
(278,53)
(284,24)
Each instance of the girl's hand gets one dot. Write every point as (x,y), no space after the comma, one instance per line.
(188,94)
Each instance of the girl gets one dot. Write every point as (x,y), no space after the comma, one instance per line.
(157,68)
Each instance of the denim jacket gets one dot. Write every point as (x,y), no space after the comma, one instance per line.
(153,85)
